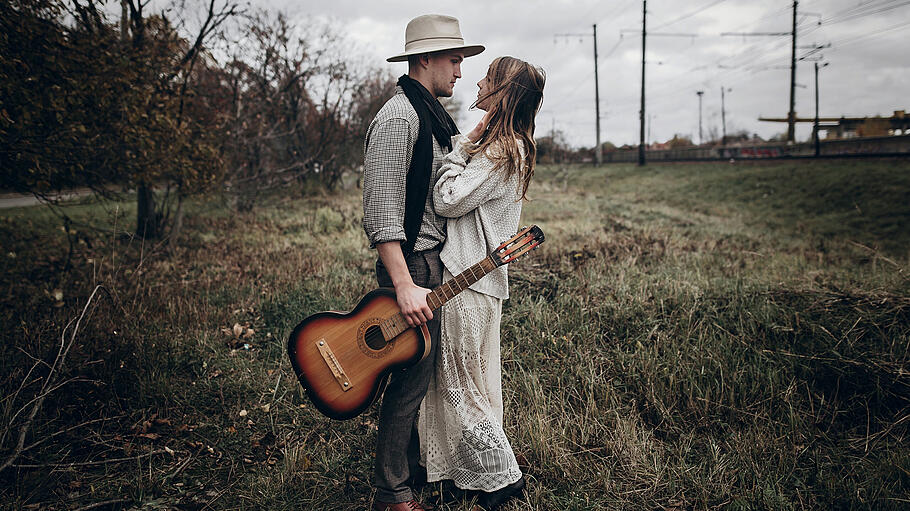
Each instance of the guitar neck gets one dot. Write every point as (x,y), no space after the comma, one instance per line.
(396,324)
(526,240)
(459,283)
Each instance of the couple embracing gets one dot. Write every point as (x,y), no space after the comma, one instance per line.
(435,202)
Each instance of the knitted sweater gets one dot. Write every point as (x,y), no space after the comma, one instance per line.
(482,210)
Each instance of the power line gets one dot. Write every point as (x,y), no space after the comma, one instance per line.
(791,114)
(613,14)
(773,14)
(690,14)
(597,148)
(865,38)
(858,11)
(746,59)
(754,58)
(578,85)
(613,49)
(741,61)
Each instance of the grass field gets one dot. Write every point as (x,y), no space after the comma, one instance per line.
(691,336)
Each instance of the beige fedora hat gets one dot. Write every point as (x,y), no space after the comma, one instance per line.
(434,32)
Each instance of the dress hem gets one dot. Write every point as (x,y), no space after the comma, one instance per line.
(439,477)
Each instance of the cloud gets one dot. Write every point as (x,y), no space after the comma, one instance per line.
(866,75)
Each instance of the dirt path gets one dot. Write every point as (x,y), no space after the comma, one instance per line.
(15,200)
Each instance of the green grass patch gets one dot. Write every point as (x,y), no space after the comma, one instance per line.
(691,336)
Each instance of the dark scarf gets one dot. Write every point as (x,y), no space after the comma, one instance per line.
(434,122)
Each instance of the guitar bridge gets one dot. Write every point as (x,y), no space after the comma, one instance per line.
(337,371)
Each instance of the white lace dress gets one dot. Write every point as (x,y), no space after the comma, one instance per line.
(460,421)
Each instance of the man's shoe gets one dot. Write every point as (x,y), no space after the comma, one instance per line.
(494,499)
(411,505)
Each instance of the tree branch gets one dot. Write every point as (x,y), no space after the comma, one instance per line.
(97,462)
(50,382)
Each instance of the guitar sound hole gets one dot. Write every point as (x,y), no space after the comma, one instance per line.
(374,338)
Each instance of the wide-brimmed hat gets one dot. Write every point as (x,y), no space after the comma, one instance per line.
(434,32)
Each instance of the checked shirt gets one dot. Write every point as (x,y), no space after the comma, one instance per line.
(388,149)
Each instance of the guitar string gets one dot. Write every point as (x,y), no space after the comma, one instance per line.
(451,288)
(374,337)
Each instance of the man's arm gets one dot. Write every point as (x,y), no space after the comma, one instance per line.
(412,299)
(387,152)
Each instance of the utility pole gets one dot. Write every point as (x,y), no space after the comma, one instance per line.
(597,149)
(699,93)
(644,37)
(791,116)
(641,112)
(648,138)
(815,126)
(723,118)
(598,152)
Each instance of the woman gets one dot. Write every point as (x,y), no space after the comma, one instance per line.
(480,189)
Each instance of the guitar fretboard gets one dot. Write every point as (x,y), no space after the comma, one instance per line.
(396,324)
(459,283)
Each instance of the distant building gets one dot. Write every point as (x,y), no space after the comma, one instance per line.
(850,127)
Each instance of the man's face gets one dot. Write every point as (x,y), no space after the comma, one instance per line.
(445,69)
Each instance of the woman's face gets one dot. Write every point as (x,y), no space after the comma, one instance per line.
(484,89)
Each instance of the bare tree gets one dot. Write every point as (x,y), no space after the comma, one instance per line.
(178,62)
(298,107)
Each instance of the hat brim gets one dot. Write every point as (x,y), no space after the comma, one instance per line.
(469,51)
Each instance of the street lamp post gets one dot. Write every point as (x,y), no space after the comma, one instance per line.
(723,116)
(815,126)
(700,93)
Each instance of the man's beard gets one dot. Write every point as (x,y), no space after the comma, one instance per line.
(445,91)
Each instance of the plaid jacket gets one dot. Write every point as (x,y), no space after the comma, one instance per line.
(388,149)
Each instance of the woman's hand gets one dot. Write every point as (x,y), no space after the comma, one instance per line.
(478,131)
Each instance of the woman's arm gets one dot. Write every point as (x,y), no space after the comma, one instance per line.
(465,182)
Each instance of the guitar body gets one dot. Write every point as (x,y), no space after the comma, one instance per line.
(343,360)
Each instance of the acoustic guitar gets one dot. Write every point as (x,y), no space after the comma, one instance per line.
(343,360)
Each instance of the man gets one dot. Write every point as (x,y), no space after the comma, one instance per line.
(404,148)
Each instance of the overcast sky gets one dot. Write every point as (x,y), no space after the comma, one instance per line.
(868,71)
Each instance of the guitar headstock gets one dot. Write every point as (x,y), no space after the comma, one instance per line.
(526,240)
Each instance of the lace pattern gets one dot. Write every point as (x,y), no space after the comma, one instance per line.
(460,421)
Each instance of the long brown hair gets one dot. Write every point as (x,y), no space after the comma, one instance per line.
(515,93)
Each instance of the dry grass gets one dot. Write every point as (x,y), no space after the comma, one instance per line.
(690,337)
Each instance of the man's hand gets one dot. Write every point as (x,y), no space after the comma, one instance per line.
(412,299)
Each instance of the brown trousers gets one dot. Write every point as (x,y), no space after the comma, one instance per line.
(397,444)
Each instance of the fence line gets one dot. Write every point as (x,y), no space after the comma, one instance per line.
(853,147)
